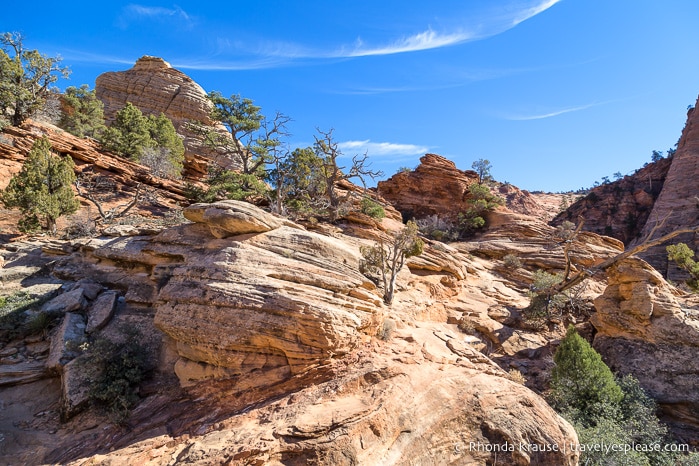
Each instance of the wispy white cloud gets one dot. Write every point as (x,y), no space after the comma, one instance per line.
(389,149)
(541,116)
(133,12)
(488,26)
(532,11)
(425,40)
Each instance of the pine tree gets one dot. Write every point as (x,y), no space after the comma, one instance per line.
(42,190)
(82,113)
(129,134)
(582,384)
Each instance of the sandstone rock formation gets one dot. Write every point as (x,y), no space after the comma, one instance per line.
(17,142)
(676,206)
(155,87)
(621,208)
(435,187)
(272,330)
(646,329)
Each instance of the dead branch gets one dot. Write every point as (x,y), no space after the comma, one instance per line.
(88,188)
(587,273)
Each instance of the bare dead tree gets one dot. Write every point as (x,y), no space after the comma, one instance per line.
(646,243)
(95,189)
(328,149)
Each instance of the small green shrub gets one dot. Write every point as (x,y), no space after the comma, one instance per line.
(117,368)
(373,209)
(512,262)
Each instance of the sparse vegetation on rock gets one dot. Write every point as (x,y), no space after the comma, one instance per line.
(386,260)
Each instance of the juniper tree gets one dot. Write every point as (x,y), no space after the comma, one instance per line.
(42,189)
(82,113)
(26,77)
(582,384)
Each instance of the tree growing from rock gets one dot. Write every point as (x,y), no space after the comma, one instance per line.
(581,383)
(42,189)
(252,140)
(480,202)
(482,167)
(26,77)
(298,182)
(386,260)
(683,256)
(82,113)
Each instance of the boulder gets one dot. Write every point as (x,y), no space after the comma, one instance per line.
(65,341)
(66,302)
(101,311)
(230,218)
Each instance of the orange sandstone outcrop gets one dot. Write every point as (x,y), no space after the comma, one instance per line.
(435,187)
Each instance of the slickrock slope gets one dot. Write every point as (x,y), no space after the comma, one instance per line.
(620,209)
(272,331)
(677,204)
(155,87)
(645,328)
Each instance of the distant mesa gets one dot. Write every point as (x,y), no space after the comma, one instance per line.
(155,87)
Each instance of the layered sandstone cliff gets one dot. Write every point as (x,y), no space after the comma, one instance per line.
(677,205)
(155,87)
(620,209)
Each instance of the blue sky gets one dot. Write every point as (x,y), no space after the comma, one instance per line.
(556,94)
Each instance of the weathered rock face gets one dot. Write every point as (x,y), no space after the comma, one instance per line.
(676,206)
(644,329)
(155,87)
(244,291)
(423,398)
(435,187)
(17,142)
(272,329)
(620,209)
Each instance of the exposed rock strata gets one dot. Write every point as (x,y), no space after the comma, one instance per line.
(621,208)
(155,87)
(644,329)
(272,332)
(17,142)
(677,206)
(437,187)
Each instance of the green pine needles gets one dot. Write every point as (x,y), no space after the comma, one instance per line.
(42,189)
